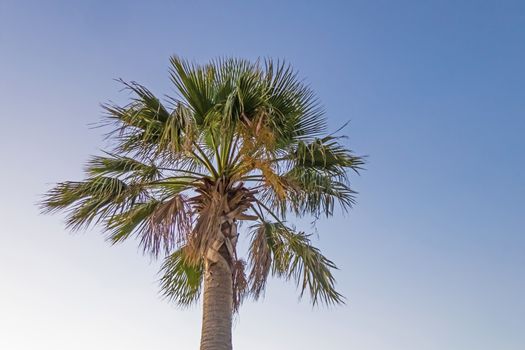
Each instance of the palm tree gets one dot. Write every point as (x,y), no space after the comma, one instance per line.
(242,141)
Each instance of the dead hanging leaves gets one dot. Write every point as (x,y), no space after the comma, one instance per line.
(240,283)
(216,203)
(169,224)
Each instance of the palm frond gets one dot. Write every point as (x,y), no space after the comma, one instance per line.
(315,193)
(91,200)
(145,127)
(194,83)
(260,258)
(294,257)
(120,226)
(121,166)
(169,226)
(160,225)
(297,112)
(240,283)
(181,279)
(326,155)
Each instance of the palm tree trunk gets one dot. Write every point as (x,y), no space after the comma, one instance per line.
(217,305)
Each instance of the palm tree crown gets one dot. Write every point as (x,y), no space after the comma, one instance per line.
(241,141)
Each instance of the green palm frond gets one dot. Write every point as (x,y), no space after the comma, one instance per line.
(120,226)
(326,155)
(91,200)
(294,257)
(145,127)
(116,165)
(315,193)
(308,192)
(181,280)
(160,225)
(314,180)
(298,114)
(194,83)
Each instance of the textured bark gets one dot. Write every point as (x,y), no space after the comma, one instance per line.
(218,298)
(217,306)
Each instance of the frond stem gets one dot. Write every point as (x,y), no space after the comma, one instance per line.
(205,160)
(269,211)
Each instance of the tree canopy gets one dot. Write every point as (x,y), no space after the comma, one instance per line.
(244,139)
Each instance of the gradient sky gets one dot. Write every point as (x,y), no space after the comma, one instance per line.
(431,258)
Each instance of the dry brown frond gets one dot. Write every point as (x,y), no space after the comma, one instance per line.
(271,178)
(260,258)
(207,226)
(169,225)
(218,205)
(240,283)
(257,135)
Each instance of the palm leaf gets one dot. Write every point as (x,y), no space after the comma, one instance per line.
(91,200)
(294,257)
(121,166)
(181,280)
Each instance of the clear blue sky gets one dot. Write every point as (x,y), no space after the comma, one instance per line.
(431,258)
